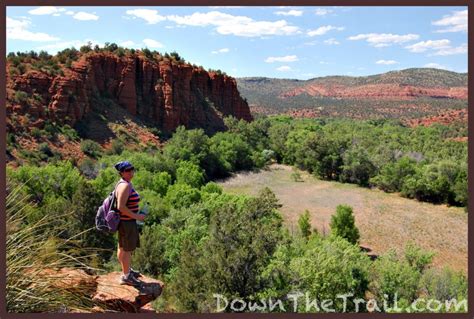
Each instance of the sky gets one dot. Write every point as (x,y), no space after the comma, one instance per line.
(297,42)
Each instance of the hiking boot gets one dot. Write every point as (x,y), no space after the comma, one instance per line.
(130,280)
(135,273)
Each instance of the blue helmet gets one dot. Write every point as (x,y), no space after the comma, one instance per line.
(123,165)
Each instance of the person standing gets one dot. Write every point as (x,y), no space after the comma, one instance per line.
(128,237)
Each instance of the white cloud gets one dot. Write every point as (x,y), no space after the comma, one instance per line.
(451,51)
(322,12)
(331,41)
(128,44)
(17,30)
(379,40)
(288,58)
(284,68)
(56,14)
(215,18)
(310,43)
(46,10)
(386,62)
(295,13)
(152,43)
(436,66)
(70,13)
(84,16)
(224,50)
(228,24)
(456,22)
(150,16)
(323,62)
(427,45)
(323,30)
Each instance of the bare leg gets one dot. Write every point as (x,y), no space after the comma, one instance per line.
(124,258)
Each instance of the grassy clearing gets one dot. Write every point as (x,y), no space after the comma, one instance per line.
(385,220)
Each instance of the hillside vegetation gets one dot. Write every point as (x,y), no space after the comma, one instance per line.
(192,242)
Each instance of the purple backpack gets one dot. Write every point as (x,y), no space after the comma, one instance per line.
(107,218)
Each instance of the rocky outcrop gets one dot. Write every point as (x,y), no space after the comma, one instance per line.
(106,292)
(111,295)
(166,93)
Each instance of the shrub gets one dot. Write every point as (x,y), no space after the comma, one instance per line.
(182,195)
(304,224)
(89,168)
(189,173)
(444,284)
(329,267)
(32,251)
(117,147)
(45,149)
(343,224)
(91,148)
(69,133)
(20,97)
(392,277)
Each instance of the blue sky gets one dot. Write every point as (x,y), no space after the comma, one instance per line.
(297,42)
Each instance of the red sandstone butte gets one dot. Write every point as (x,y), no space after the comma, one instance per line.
(167,93)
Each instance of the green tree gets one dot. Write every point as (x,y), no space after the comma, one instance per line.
(190,174)
(343,224)
(304,224)
(242,239)
(330,267)
(84,205)
(91,148)
(357,167)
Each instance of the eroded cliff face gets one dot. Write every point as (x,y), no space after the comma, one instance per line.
(166,93)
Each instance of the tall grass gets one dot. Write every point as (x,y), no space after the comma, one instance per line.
(35,254)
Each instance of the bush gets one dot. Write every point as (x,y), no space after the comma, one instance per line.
(304,224)
(31,250)
(69,133)
(444,284)
(392,277)
(182,195)
(91,148)
(189,173)
(295,175)
(44,148)
(20,97)
(116,148)
(151,254)
(88,168)
(211,188)
(329,267)
(343,224)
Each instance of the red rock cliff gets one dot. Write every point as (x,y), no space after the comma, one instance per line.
(167,93)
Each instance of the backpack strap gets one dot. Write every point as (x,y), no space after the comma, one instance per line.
(114,199)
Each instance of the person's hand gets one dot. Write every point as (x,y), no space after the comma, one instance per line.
(140,217)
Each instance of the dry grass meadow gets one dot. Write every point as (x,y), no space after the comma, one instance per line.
(384,220)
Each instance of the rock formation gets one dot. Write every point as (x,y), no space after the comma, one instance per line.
(166,92)
(106,292)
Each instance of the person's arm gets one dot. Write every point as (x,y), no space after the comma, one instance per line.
(123,191)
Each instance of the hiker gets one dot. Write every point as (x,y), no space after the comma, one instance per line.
(128,238)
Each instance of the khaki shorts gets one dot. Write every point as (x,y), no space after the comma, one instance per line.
(128,237)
